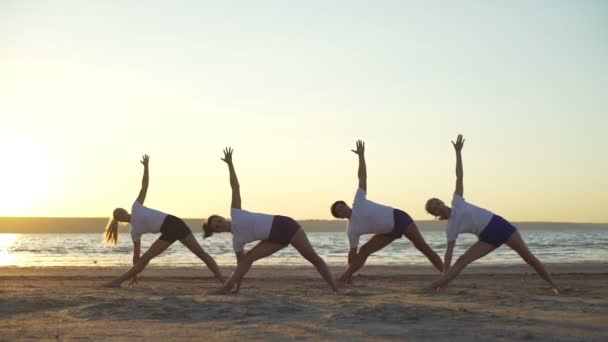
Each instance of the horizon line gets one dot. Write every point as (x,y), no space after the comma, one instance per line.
(306,219)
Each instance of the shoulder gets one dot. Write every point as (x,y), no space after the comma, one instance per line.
(137,207)
(457,200)
(360,195)
(235,212)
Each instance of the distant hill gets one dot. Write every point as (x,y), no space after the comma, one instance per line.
(96,225)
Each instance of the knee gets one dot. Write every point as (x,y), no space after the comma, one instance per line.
(245,263)
(463,261)
(360,259)
(365,252)
(144,260)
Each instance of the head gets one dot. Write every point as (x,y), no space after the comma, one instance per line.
(111,231)
(215,224)
(121,215)
(340,210)
(437,208)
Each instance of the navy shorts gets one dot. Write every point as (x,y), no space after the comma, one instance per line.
(283,230)
(497,232)
(402,221)
(173,229)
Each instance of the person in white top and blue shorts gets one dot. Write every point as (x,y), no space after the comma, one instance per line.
(273,231)
(144,220)
(368,217)
(492,230)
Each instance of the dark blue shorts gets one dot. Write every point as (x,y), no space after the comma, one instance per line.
(283,230)
(173,229)
(402,221)
(497,232)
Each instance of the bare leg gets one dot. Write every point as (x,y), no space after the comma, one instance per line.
(261,250)
(413,234)
(518,245)
(302,245)
(157,247)
(376,243)
(478,250)
(193,245)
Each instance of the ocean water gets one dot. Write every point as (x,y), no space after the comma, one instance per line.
(26,250)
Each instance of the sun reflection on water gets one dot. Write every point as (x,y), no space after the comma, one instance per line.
(6,241)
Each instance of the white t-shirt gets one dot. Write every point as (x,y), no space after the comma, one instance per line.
(466,218)
(368,217)
(145,220)
(247,226)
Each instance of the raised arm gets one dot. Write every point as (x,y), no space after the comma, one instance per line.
(362,174)
(234,182)
(145,180)
(459,174)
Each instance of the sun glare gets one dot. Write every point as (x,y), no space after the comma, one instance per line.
(6,240)
(25,175)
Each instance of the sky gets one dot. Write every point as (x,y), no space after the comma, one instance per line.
(87,87)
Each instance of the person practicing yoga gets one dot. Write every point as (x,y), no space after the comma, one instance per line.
(368,217)
(274,231)
(491,229)
(144,220)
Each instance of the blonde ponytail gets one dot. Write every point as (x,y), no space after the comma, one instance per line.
(111,233)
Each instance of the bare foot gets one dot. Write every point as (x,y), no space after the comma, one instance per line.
(220,291)
(343,283)
(441,289)
(555,291)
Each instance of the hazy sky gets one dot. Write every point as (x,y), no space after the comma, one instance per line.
(86,87)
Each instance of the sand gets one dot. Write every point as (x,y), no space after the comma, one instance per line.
(275,303)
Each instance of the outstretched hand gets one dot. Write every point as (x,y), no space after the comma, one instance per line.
(133,282)
(360,148)
(228,155)
(459,143)
(145,159)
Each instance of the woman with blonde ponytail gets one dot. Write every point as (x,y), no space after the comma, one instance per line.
(144,220)
(111,232)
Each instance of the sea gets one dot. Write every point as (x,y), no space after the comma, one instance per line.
(576,245)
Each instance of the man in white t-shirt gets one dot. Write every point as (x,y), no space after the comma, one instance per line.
(492,230)
(368,217)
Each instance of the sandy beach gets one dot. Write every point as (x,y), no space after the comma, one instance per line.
(385,303)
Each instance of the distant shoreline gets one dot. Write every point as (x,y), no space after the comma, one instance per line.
(81,225)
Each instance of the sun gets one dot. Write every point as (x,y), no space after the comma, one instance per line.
(26,172)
